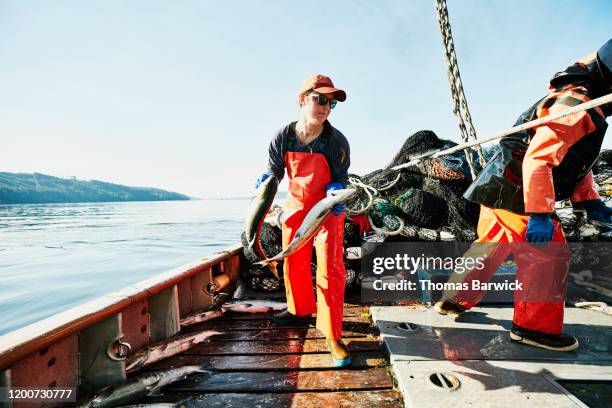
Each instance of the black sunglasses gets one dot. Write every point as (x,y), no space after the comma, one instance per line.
(324,100)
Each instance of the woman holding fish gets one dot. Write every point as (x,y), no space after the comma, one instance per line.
(316,157)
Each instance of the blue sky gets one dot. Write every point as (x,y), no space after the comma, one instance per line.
(186,95)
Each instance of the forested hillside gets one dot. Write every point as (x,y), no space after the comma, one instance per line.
(25,188)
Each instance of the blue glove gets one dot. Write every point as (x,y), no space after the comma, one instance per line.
(338,208)
(596,211)
(539,229)
(261,179)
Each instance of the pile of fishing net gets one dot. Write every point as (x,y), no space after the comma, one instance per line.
(422,202)
(602,174)
(427,195)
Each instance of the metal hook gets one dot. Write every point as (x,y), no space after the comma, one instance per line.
(210,289)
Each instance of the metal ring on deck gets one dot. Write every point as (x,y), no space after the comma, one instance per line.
(114,351)
(210,289)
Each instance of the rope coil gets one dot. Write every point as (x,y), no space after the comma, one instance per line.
(369,190)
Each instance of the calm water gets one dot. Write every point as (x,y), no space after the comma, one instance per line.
(56,256)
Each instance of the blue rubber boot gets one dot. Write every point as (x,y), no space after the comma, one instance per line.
(341,356)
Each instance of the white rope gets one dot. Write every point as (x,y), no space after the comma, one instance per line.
(355,182)
(394,182)
(385,232)
(528,125)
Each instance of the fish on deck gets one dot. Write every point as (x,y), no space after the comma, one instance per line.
(167,349)
(139,387)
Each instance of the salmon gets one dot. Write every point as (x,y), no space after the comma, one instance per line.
(256,214)
(313,220)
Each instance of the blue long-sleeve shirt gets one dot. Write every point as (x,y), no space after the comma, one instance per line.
(331,143)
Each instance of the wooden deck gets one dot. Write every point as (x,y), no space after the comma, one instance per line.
(257,363)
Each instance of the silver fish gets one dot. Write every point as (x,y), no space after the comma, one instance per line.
(254,306)
(201,317)
(236,306)
(313,220)
(161,351)
(139,387)
(255,217)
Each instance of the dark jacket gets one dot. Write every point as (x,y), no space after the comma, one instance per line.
(331,143)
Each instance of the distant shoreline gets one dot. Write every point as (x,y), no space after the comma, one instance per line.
(37,188)
(96,202)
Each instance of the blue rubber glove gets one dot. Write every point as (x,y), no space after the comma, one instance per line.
(261,179)
(338,208)
(597,211)
(539,229)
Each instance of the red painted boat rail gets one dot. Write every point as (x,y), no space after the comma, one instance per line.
(86,346)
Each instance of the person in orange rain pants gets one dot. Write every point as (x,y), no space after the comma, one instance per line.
(517,190)
(317,158)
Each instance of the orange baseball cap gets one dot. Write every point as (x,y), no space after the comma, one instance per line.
(322,84)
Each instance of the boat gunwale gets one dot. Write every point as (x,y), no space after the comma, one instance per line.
(18,344)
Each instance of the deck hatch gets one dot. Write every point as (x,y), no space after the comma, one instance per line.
(407,327)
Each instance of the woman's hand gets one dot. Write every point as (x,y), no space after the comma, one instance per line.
(338,208)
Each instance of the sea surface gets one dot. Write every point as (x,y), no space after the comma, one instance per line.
(57,256)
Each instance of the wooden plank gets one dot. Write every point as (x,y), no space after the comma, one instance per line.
(184,294)
(282,332)
(231,267)
(199,298)
(136,327)
(285,381)
(96,370)
(164,310)
(278,347)
(263,324)
(344,399)
(348,312)
(287,334)
(22,342)
(271,362)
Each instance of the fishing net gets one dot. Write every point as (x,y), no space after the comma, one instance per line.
(263,283)
(428,194)
(351,273)
(352,235)
(602,174)
(380,210)
(422,202)
(422,208)
(270,238)
(260,277)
